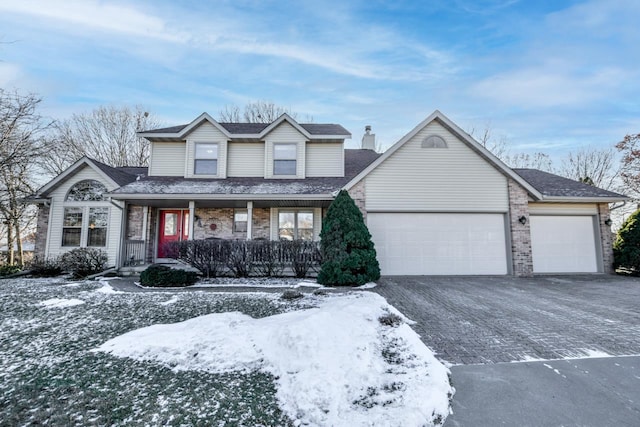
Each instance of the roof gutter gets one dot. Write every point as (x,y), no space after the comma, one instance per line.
(182,196)
(571,199)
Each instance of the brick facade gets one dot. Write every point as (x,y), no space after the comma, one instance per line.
(42,231)
(606,237)
(521,254)
(222,218)
(359,196)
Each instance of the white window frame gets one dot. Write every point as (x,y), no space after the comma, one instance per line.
(296,212)
(236,212)
(293,159)
(196,158)
(85,210)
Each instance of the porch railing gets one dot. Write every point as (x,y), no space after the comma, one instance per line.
(134,253)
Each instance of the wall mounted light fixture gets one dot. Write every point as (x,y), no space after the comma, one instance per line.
(522,220)
(608,221)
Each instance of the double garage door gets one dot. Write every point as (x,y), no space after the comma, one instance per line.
(476,244)
(439,243)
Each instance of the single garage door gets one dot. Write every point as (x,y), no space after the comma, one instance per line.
(439,243)
(563,244)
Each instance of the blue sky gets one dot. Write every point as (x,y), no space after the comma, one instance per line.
(548,76)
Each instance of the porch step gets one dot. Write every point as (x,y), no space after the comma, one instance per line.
(132,270)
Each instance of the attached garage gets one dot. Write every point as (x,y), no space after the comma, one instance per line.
(564,244)
(439,243)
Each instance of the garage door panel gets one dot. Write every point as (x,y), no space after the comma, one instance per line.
(439,244)
(563,244)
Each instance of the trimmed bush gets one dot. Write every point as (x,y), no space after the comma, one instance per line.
(626,247)
(244,258)
(7,270)
(208,256)
(83,262)
(162,276)
(268,260)
(348,254)
(303,256)
(239,259)
(50,267)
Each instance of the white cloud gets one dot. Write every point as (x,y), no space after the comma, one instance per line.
(95,15)
(9,73)
(547,86)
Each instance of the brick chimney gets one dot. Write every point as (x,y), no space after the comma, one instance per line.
(368,139)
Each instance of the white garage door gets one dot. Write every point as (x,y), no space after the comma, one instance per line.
(563,244)
(421,243)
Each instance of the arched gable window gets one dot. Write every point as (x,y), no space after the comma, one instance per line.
(88,190)
(434,141)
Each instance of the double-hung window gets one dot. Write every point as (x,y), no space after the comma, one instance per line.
(240,219)
(285,159)
(295,225)
(206,159)
(72,226)
(97,228)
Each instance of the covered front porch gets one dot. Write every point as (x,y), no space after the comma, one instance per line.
(150,224)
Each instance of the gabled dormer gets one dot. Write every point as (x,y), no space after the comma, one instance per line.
(283,149)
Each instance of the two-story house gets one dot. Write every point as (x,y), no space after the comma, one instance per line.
(436,202)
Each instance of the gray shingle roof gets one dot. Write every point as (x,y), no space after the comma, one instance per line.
(121,175)
(355,162)
(551,185)
(256,128)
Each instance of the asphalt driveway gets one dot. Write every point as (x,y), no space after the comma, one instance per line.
(483,320)
(477,323)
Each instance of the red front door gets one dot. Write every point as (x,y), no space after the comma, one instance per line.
(174,227)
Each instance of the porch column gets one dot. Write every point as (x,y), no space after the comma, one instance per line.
(249,220)
(145,214)
(192,215)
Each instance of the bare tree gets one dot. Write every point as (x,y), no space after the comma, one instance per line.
(497,146)
(21,130)
(256,112)
(107,134)
(541,161)
(629,147)
(593,166)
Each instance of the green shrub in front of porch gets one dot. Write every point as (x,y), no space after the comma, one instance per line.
(162,276)
(348,254)
(249,258)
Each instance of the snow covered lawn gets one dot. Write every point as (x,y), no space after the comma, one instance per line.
(82,355)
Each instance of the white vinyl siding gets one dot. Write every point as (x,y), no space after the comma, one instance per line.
(206,132)
(285,134)
(167,159)
(564,244)
(54,242)
(439,243)
(563,209)
(324,159)
(453,179)
(245,159)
